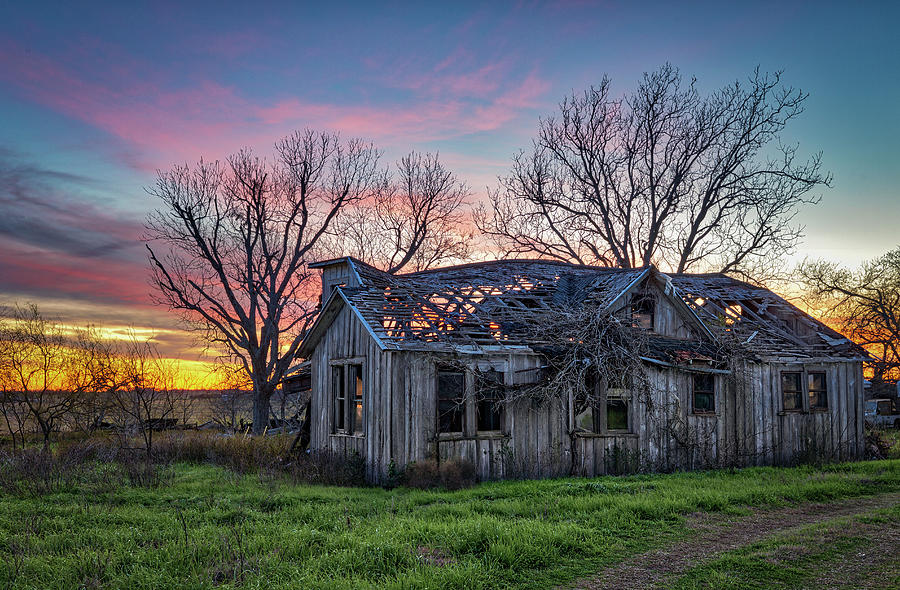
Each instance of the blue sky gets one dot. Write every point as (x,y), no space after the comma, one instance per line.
(94,99)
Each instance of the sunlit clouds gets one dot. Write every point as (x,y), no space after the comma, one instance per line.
(94,100)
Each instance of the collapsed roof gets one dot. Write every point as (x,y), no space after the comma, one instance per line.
(767,324)
(497,304)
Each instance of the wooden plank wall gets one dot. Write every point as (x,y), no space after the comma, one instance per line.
(347,337)
(748,428)
(337,274)
(534,438)
(667,321)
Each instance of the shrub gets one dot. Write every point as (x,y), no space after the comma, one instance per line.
(326,467)
(423,474)
(242,454)
(33,471)
(878,445)
(104,463)
(269,456)
(454,474)
(457,474)
(142,471)
(92,465)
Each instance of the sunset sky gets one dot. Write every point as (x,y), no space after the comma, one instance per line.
(94,99)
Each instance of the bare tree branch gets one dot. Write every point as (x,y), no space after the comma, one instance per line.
(230,244)
(864,304)
(662,176)
(415,220)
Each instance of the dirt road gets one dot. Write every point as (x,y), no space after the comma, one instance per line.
(715,534)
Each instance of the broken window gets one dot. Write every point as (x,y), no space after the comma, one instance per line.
(704,393)
(818,391)
(804,387)
(451,398)
(643,311)
(617,406)
(338,385)
(587,406)
(356,373)
(602,409)
(490,399)
(347,380)
(792,391)
(587,418)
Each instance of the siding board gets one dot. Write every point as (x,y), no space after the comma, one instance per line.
(749,426)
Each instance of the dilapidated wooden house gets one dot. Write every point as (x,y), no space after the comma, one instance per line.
(431,365)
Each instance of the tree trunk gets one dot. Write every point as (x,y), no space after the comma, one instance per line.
(12,431)
(261,397)
(46,430)
(148,439)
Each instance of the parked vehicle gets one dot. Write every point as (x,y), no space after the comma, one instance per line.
(880,412)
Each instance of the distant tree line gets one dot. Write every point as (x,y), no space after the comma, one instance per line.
(57,378)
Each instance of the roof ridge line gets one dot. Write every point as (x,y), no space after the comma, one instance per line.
(562,263)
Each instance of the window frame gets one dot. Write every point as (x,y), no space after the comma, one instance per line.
(600,409)
(357,408)
(712,392)
(339,399)
(461,405)
(626,403)
(497,400)
(351,419)
(637,308)
(470,402)
(809,373)
(800,393)
(806,406)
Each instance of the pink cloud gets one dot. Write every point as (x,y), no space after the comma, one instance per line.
(211,120)
(31,271)
(481,82)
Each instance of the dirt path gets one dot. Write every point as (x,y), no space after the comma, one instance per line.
(874,566)
(714,534)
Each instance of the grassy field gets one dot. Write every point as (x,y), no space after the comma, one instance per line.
(207,527)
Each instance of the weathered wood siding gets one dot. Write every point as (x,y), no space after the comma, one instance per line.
(337,274)
(348,338)
(532,441)
(537,439)
(749,426)
(667,320)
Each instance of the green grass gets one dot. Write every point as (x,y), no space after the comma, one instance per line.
(210,528)
(892,437)
(798,559)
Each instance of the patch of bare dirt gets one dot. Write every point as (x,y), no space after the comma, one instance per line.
(877,567)
(715,534)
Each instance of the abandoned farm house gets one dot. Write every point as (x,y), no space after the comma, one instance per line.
(452,362)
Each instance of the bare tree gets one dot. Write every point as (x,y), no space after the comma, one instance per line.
(864,304)
(14,414)
(91,373)
(37,370)
(51,376)
(414,221)
(231,243)
(12,406)
(663,176)
(232,402)
(145,395)
(229,408)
